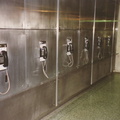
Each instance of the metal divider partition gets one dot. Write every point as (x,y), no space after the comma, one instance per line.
(113,37)
(57,44)
(93,38)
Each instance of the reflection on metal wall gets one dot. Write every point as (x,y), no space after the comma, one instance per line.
(69,14)
(35,73)
(86,14)
(102,45)
(16,45)
(32,104)
(74,82)
(98,46)
(102,54)
(12,14)
(30,28)
(85,48)
(67,62)
(40,14)
(105,14)
(101,69)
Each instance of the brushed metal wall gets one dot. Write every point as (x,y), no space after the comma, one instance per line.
(104,12)
(106,51)
(40,14)
(101,67)
(23,24)
(69,14)
(16,46)
(12,14)
(34,73)
(100,35)
(81,55)
(29,105)
(63,35)
(86,14)
(73,82)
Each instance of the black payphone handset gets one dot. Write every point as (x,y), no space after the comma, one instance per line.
(43,56)
(99,48)
(86,43)
(43,52)
(4,65)
(4,58)
(69,46)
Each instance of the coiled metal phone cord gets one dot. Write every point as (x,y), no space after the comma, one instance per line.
(8,78)
(44,67)
(85,56)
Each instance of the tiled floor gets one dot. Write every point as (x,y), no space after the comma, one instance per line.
(100,102)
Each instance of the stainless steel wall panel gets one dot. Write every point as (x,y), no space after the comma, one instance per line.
(84,34)
(63,35)
(101,69)
(19,107)
(107,65)
(40,14)
(105,50)
(45,99)
(16,43)
(96,50)
(23,24)
(35,74)
(113,62)
(73,82)
(105,14)
(108,50)
(12,14)
(95,72)
(86,14)
(69,14)
(29,105)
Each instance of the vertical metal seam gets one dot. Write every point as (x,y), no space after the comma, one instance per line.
(26,74)
(113,35)
(93,39)
(78,63)
(79,33)
(57,42)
